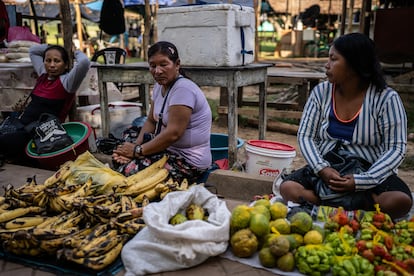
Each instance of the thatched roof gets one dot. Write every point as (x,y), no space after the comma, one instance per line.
(298,6)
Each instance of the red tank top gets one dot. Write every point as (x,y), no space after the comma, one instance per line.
(50,89)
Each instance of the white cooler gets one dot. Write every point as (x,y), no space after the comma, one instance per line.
(121,116)
(210,34)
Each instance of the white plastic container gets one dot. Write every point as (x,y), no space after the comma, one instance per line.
(268,158)
(210,34)
(121,115)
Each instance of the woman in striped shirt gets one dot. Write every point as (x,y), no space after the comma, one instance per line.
(356,108)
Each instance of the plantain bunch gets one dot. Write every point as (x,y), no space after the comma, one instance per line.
(96,249)
(83,213)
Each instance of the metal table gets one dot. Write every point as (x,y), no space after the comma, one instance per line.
(230,78)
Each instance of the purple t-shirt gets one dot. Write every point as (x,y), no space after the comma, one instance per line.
(194,145)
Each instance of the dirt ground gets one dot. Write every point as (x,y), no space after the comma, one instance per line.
(248,133)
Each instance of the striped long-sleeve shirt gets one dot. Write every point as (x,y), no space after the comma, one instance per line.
(380,134)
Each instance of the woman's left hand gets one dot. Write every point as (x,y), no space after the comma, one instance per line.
(125,150)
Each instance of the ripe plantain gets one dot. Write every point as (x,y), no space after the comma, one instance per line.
(91,200)
(95,242)
(41,199)
(131,227)
(109,210)
(131,214)
(57,205)
(161,187)
(147,183)
(147,172)
(23,222)
(51,246)
(83,191)
(49,234)
(101,248)
(31,186)
(97,231)
(61,218)
(15,203)
(19,212)
(96,263)
(12,193)
(63,190)
(48,222)
(60,175)
(127,203)
(6,234)
(74,240)
(151,195)
(71,222)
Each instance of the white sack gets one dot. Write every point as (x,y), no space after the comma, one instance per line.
(163,247)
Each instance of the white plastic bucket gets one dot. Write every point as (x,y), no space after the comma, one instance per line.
(268,158)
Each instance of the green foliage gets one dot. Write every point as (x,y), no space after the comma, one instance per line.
(213,106)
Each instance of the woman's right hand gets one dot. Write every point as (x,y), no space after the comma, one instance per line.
(333,179)
(327,174)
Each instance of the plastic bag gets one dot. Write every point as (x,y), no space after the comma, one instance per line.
(11,124)
(164,247)
(21,33)
(49,135)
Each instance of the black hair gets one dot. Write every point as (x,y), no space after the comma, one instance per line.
(168,49)
(360,53)
(63,53)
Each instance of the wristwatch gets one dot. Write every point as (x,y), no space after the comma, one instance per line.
(138,150)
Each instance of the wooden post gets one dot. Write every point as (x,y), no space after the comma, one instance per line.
(147,28)
(350,15)
(343,17)
(67,35)
(33,11)
(67,32)
(257,4)
(79,24)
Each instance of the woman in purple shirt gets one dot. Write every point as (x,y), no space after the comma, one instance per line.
(184,130)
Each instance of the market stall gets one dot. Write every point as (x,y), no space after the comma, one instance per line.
(230,77)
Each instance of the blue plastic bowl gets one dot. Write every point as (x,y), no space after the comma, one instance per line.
(219,144)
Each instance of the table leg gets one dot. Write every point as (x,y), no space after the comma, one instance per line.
(144,91)
(302,94)
(262,111)
(103,98)
(232,122)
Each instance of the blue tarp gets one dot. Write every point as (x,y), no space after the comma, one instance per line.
(97,5)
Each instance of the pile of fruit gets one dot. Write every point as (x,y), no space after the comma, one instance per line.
(367,245)
(192,212)
(84,213)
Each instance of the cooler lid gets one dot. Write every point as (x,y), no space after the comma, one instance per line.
(270,145)
(204,7)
